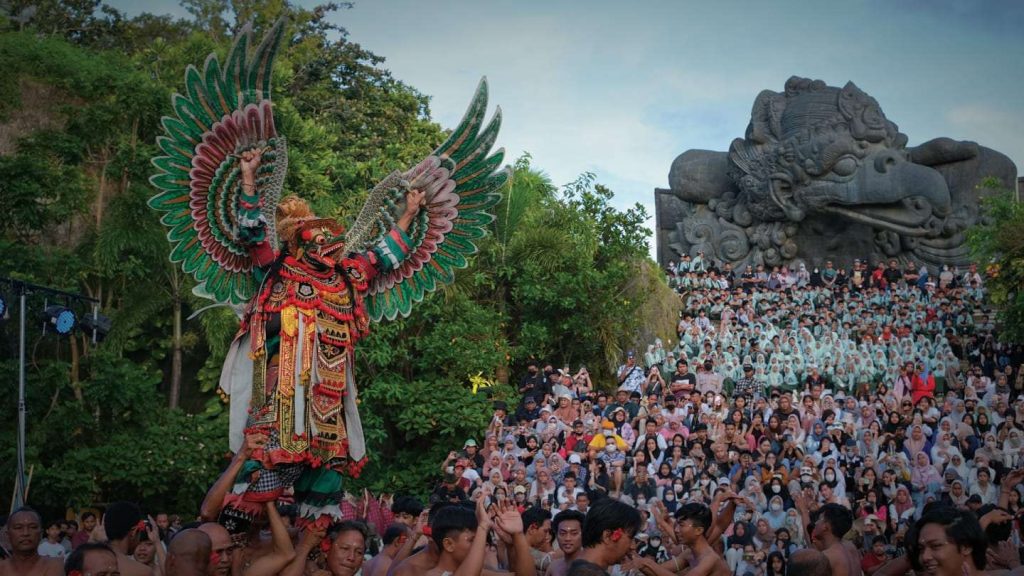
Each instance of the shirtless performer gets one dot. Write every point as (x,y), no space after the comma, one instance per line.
(435,558)
(25,530)
(394,538)
(693,521)
(123,524)
(827,526)
(568,529)
(608,532)
(93,558)
(809,562)
(410,561)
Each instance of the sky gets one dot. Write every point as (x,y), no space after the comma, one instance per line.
(620,89)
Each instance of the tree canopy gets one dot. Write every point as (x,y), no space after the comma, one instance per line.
(563,275)
(999,246)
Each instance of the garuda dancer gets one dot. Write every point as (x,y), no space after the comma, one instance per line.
(306,290)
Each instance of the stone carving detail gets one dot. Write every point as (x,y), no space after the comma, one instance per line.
(822,174)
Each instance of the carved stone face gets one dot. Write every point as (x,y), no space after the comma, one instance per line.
(820,174)
(820,149)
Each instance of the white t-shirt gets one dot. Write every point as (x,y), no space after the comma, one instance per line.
(49,549)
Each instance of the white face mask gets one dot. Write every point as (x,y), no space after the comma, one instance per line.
(655,543)
(641,502)
(830,476)
(776,488)
(610,448)
(776,506)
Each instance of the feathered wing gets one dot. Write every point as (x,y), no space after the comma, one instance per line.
(211,220)
(461,179)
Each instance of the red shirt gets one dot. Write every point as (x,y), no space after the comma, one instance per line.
(870,561)
(80,537)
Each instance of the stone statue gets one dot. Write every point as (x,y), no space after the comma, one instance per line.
(822,174)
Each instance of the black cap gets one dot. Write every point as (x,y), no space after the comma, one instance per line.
(747,367)
(530,399)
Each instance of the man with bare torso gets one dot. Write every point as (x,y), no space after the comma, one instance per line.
(568,529)
(828,524)
(394,538)
(809,562)
(693,521)
(123,525)
(25,530)
(93,559)
(607,538)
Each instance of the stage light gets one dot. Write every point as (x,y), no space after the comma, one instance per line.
(96,326)
(61,318)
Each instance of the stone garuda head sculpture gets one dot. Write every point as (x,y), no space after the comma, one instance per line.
(822,173)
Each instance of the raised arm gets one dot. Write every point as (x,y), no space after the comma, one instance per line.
(214,499)
(311,538)
(1009,485)
(282,551)
(803,507)
(511,522)
(153,533)
(473,565)
(723,518)
(414,200)
(410,543)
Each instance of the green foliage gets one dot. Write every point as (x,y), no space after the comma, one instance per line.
(563,276)
(118,441)
(999,244)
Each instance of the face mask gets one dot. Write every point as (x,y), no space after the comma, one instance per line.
(776,488)
(830,476)
(611,448)
(655,543)
(776,506)
(805,477)
(670,496)
(990,443)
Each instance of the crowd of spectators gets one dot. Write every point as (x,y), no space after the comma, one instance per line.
(850,413)
(881,392)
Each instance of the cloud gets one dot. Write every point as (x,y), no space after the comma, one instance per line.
(620,89)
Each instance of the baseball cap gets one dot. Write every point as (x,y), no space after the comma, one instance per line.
(519,489)
(575,459)
(470,442)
